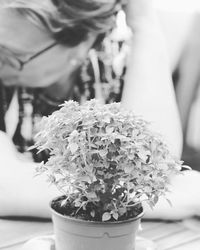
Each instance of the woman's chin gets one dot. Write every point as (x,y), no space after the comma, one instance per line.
(9,81)
(21,82)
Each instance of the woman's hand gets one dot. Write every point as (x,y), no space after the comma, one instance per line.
(184,196)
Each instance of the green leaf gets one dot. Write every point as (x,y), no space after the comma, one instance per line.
(155,199)
(143,155)
(169,202)
(103,153)
(92,213)
(115,215)
(73,147)
(91,195)
(122,210)
(84,179)
(77,203)
(63,203)
(109,130)
(128,169)
(106,216)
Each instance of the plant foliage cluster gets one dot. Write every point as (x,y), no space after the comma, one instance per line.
(104,159)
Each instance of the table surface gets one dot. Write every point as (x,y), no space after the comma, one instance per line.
(179,235)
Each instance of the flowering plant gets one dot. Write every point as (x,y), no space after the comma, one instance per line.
(104,159)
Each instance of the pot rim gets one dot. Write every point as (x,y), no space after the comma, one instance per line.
(103,223)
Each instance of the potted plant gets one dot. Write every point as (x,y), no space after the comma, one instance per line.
(106,162)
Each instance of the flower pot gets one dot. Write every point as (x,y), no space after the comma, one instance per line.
(76,234)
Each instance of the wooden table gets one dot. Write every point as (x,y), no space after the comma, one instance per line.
(181,235)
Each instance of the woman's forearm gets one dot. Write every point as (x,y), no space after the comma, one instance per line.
(21,193)
(148,89)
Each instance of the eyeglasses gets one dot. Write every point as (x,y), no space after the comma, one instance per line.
(8,57)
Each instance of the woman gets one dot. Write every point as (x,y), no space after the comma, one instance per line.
(43,45)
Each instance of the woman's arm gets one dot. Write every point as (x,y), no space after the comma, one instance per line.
(21,194)
(189,73)
(148,87)
(149,92)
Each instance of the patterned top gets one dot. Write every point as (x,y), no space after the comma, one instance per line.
(101,76)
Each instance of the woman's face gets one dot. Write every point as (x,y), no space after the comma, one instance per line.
(23,39)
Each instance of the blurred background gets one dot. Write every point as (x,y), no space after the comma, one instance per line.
(180,23)
(177,5)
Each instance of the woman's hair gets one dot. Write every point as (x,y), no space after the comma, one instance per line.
(70,21)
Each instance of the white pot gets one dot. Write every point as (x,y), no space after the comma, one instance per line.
(76,234)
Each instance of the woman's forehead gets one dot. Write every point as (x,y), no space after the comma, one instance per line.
(19,32)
